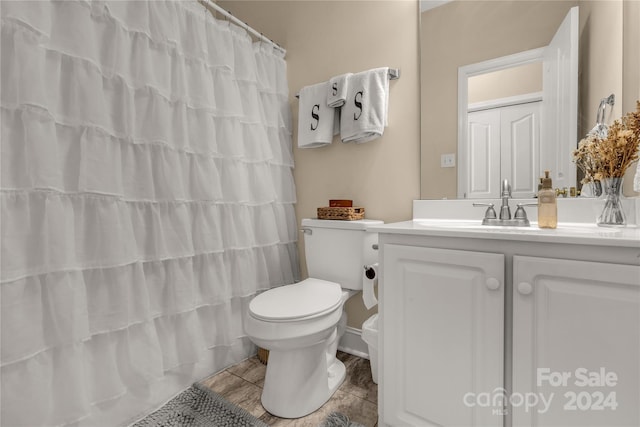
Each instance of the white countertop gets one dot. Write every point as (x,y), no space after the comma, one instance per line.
(568,233)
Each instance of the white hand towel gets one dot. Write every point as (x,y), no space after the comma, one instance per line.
(338,87)
(364,116)
(316,120)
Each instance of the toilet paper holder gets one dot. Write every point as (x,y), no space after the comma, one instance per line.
(368,281)
(369,272)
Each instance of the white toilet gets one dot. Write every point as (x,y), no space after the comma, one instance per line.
(301,324)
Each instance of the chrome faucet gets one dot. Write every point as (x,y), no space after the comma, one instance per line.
(520,217)
(505,212)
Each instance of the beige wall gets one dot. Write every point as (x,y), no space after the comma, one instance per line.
(600,59)
(631,73)
(327,38)
(513,81)
(631,55)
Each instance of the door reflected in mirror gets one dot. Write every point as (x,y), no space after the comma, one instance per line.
(503,132)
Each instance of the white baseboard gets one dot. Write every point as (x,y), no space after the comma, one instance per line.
(352,343)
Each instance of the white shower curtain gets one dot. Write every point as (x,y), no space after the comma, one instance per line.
(147,194)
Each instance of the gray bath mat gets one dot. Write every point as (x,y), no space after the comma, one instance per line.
(199,407)
(336,419)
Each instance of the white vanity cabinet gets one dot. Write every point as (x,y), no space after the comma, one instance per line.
(443,333)
(576,342)
(471,321)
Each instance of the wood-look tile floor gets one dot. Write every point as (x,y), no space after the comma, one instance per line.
(357,397)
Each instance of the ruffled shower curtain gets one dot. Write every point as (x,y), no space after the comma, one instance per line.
(147,194)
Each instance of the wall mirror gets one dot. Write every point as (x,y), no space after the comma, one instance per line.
(466,47)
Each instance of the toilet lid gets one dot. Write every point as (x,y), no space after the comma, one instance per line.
(307,298)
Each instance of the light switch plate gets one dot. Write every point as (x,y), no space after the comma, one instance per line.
(448,160)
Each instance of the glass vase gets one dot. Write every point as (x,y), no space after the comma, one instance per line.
(612,214)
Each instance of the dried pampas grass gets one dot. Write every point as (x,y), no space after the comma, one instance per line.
(609,157)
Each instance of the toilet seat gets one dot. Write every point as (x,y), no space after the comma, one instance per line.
(300,301)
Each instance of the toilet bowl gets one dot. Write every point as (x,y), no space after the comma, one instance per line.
(302,339)
(301,324)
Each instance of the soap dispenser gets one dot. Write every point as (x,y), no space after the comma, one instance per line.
(535,195)
(547,205)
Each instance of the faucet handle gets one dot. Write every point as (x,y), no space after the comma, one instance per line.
(490,213)
(520,212)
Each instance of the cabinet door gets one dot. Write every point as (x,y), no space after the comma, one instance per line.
(576,343)
(442,325)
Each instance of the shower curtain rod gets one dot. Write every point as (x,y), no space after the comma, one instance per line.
(246,26)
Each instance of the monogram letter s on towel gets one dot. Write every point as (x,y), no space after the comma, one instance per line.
(314,115)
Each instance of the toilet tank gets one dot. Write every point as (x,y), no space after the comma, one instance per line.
(338,250)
